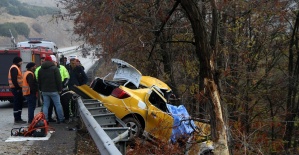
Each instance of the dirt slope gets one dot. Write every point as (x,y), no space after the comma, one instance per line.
(58,31)
(48,3)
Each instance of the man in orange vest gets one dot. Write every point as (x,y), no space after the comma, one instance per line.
(15,81)
(29,89)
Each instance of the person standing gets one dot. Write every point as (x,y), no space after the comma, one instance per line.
(79,64)
(40,100)
(64,78)
(29,89)
(77,75)
(50,119)
(65,61)
(50,84)
(15,81)
(42,60)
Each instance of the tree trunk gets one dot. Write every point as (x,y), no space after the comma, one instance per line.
(207,72)
(291,109)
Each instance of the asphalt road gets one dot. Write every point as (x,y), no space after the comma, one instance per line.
(61,142)
(6,125)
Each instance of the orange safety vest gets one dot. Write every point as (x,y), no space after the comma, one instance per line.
(19,78)
(25,87)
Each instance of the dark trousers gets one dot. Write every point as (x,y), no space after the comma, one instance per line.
(31,101)
(17,103)
(67,105)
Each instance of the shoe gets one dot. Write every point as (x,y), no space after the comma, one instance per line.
(63,121)
(20,121)
(52,120)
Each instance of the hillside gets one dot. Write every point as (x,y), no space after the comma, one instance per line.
(58,31)
(48,3)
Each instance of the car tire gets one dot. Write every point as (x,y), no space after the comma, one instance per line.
(207,153)
(134,124)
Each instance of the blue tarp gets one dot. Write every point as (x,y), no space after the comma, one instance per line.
(180,128)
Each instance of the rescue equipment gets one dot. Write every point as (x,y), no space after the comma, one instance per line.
(38,127)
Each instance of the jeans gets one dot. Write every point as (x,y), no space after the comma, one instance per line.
(47,96)
(51,107)
(17,103)
(31,101)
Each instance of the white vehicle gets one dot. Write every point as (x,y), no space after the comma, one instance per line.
(72,56)
(38,43)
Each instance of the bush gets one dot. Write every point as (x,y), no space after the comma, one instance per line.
(4,30)
(14,7)
(16,28)
(13,10)
(22,29)
(4,3)
(37,27)
(24,11)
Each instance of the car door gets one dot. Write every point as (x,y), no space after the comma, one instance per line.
(158,122)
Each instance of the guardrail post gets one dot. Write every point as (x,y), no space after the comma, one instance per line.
(103,142)
(94,114)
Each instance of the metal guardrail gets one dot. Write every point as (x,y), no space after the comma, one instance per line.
(70,50)
(101,123)
(109,140)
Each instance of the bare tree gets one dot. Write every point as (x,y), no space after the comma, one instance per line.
(205,50)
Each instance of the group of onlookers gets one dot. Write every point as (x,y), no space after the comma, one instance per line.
(49,79)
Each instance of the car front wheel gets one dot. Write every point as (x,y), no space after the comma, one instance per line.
(134,125)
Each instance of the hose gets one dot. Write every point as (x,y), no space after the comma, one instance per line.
(37,118)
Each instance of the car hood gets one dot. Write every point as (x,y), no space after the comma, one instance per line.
(149,81)
(126,72)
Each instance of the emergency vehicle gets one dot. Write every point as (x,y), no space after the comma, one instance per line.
(38,42)
(28,53)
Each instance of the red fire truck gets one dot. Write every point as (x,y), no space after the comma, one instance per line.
(27,55)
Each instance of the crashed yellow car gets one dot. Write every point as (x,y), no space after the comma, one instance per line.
(141,102)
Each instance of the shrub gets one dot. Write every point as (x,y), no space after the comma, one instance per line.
(22,29)
(16,28)
(4,30)
(14,7)
(13,10)
(24,11)
(37,27)
(4,3)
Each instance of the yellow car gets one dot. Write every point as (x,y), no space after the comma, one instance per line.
(141,102)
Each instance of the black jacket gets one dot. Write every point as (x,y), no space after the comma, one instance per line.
(77,76)
(49,78)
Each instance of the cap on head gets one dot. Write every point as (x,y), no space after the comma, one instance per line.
(17,60)
(48,58)
(53,58)
(30,64)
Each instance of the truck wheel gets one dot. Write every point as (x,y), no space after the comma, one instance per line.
(135,126)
